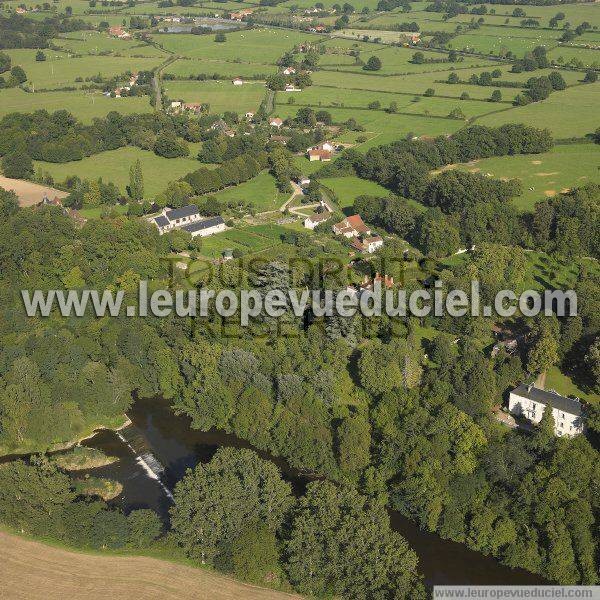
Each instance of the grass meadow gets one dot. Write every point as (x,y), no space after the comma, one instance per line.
(221,95)
(113,166)
(571,113)
(564,167)
(84,106)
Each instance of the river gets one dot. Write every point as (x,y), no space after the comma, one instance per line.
(161,444)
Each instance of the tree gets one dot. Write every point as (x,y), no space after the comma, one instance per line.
(373,64)
(220,37)
(429,92)
(557,81)
(144,526)
(136,181)
(255,556)
(496,96)
(592,360)
(17,165)
(215,502)
(543,354)
(590,76)
(40,56)
(321,560)
(17,75)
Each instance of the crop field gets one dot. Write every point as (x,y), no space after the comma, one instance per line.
(259,191)
(573,112)
(247,240)
(114,166)
(84,106)
(37,571)
(221,95)
(544,175)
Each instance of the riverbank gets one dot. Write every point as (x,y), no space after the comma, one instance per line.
(28,449)
(31,570)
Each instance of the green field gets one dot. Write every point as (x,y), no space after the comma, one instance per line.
(114,166)
(571,113)
(186,67)
(549,173)
(221,95)
(259,191)
(60,70)
(84,106)
(93,42)
(347,189)
(261,46)
(246,240)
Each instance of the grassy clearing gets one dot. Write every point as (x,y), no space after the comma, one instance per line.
(221,95)
(563,384)
(347,189)
(114,166)
(84,106)
(549,173)
(571,113)
(498,40)
(260,191)
(587,57)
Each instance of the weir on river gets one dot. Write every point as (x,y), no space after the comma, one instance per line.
(157,448)
(133,439)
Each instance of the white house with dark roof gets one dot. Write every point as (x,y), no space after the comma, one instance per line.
(205,227)
(171,218)
(529,402)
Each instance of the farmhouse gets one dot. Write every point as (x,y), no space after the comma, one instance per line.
(240,15)
(172,218)
(327,146)
(289,71)
(529,402)
(193,107)
(249,116)
(316,219)
(119,32)
(205,227)
(351,227)
(322,155)
(238,81)
(290,87)
(276,122)
(367,244)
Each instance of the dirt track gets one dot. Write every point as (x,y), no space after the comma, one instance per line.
(33,571)
(30,193)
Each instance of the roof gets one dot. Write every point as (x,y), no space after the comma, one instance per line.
(356,222)
(206,224)
(372,239)
(319,217)
(276,120)
(161,221)
(320,153)
(552,398)
(184,211)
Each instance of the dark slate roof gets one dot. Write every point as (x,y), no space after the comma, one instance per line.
(200,225)
(161,221)
(554,399)
(184,211)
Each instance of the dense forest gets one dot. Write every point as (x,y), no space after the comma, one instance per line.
(421,439)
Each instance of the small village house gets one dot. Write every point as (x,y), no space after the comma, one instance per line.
(351,227)
(189,219)
(276,122)
(322,155)
(289,71)
(530,402)
(316,219)
(290,87)
(238,81)
(367,244)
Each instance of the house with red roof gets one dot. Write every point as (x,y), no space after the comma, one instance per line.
(351,227)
